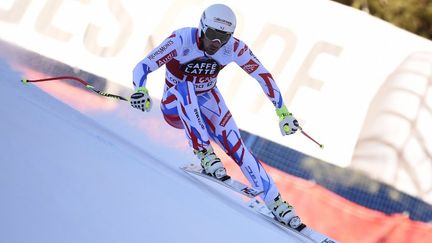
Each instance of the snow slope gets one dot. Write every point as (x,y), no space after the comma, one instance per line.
(70,177)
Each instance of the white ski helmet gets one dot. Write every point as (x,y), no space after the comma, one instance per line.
(218,17)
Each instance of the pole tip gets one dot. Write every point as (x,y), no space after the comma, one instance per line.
(322,146)
(24,81)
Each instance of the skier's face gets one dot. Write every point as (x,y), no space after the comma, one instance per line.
(214,40)
(211,46)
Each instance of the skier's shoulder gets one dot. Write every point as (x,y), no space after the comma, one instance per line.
(235,47)
(237,44)
(186,35)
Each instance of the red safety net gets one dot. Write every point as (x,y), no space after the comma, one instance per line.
(337,217)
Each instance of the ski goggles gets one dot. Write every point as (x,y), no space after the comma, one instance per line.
(214,34)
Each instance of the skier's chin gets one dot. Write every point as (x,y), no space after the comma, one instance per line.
(212,51)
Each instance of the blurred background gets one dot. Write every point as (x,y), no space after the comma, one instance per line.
(357,75)
(412,15)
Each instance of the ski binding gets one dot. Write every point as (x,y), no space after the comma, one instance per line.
(230,182)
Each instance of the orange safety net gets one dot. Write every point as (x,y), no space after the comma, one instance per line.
(337,217)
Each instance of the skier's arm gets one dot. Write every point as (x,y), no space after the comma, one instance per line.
(244,57)
(157,58)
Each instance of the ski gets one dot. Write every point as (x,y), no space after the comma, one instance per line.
(304,230)
(259,207)
(231,183)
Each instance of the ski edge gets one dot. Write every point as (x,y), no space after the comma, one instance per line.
(231,183)
(306,231)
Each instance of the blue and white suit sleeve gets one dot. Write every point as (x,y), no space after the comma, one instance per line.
(157,58)
(244,57)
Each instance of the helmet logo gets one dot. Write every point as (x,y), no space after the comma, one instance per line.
(222,21)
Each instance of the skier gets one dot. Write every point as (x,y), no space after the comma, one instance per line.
(191,100)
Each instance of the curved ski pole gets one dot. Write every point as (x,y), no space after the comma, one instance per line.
(308,136)
(87,85)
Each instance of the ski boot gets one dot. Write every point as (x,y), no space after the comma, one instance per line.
(285,213)
(211,164)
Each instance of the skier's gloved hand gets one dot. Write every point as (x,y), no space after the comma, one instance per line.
(287,123)
(141,99)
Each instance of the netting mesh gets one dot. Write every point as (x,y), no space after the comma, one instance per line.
(352,185)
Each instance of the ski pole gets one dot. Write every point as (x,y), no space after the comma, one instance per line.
(87,85)
(313,140)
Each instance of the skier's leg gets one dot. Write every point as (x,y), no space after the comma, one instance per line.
(181,110)
(179,106)
(222,127)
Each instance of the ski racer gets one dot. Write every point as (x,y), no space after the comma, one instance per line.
(191,100)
